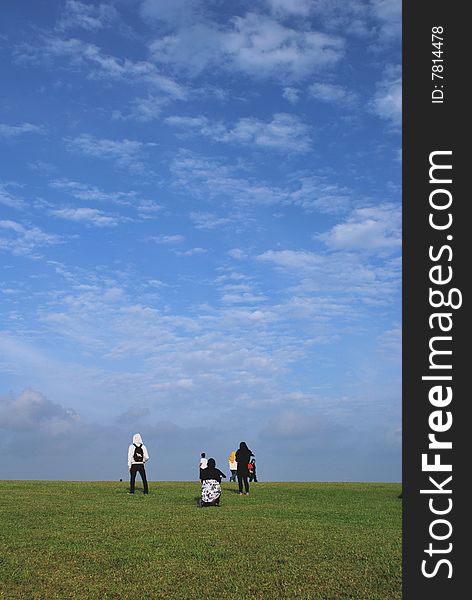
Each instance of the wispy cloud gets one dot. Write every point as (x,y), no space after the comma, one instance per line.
(254,44)
(8,199)
(335,94)
(167,239)
(191,251)
(379,20)
(291,94)
(349,268)
(90,192)
(208,178)
(89,216)
(173,12)
(100,66)
(90,17)
(389,15)
(284,133)
(207,221)
(375,230)
(143,109)
(124,153)
(87,192)
(292,259)
(23,240)
(387,101)
(300,8)
(15,131)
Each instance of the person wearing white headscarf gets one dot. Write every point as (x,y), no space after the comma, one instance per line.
(137,456)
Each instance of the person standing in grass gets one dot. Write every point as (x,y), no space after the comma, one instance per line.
(233,466)
(252,470)
(203,464)
(211,488)
(137,456)
(243,456)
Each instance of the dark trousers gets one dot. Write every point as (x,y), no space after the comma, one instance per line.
(242,477)
(138,468)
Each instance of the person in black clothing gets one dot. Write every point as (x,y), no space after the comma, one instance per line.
(211,489)
(252,470)
(243,456)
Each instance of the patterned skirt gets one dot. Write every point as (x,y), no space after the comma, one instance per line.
(211,490)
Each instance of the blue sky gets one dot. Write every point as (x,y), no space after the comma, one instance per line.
(200,236)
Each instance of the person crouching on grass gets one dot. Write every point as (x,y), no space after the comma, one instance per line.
(137,456)
(211,488)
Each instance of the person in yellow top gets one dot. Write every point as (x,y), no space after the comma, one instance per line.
(233,465)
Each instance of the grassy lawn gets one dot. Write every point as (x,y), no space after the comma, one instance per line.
(92,540)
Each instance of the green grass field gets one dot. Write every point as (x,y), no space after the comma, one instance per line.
(92,540)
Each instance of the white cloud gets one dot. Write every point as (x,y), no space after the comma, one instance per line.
(377,19)
(291,94)
(99,65)
(391,342)
(291,259)
(144,109)
(22,240)
(205,221)
(170,11)
(387,101)
(87,192)
(125,153)
(192,49)
(207,179)
(233,295)
(8,199)
(350,273)
(86,16)
(237,253)
(14,131)
(292,7)
(91,216)
(261,46)
(254,44)
(90,192)
(167,239)
(187,122)
(317,194)
(374,230)
(389,14)
(335,94)
(285,132)
(191,251)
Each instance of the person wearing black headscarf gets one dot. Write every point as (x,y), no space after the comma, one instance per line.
(243,456)
(211,489)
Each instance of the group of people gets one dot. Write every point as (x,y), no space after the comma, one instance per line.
(242,468)
(242,465)
(233,467)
